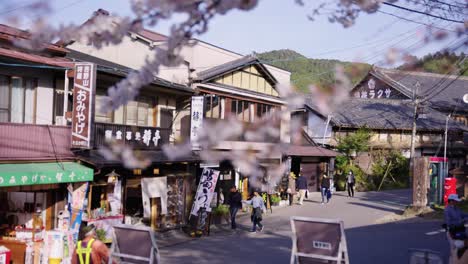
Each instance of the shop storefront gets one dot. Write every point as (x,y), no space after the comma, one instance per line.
(35,195)
(159,196)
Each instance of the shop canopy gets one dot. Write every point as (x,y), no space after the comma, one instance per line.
(43,173)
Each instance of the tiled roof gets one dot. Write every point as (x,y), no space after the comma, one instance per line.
(310,151)
(151,35)
(10,34)
(231,66)
(35,58)
(387,114)
(444,92)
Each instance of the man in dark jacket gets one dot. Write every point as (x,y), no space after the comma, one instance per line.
(325,188)
(301,184)
(235,203)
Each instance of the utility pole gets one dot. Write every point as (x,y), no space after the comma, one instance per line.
(413,132)
(445,146)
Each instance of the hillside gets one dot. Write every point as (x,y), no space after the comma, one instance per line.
(306,71)
(439,62)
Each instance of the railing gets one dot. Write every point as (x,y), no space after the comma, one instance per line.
(34,142)
(139,137)
(247,127)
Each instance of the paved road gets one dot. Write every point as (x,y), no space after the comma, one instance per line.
(368,242)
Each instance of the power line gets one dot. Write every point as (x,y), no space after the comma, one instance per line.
(414,21)
(444,3)
(423,13)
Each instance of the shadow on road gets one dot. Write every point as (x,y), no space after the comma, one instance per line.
(390,242)
(387,209)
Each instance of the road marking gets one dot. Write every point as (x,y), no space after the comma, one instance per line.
(435,232)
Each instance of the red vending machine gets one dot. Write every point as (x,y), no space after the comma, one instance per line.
(450,187)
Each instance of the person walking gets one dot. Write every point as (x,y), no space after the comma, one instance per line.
(291,187)
(258,206)
(325,188)
(301,184)
(350,180)
(235,203)
(90,250)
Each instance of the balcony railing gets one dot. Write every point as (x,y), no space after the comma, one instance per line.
(139,137)
(34,142)
(248,127)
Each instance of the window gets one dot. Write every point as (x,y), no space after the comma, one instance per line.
(135,113)
(17,99)
(99,116)
(263,109)
(212,106)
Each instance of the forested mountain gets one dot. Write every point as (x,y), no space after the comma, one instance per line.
(305,71)
(440,62)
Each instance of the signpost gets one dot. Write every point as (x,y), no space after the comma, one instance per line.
(83,104)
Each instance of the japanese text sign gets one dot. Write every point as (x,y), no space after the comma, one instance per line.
(43,173)
(196,120)
(205,190)
(83,104)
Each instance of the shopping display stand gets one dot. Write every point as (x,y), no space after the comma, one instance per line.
(317,240)
(134,244)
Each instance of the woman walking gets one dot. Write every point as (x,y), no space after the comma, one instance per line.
(325,189)
(350,180)
(258,206)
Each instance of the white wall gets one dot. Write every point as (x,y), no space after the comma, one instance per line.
(316,128)
(133,53)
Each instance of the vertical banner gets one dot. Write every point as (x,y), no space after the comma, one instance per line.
(205,190)
(84,87)
(77,200)
(196,119)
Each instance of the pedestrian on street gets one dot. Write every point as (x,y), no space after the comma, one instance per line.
(325,188)
(90,250)
(291,187)
(258,207)
(301,184)
(235,203)
(350,180)
(455,218)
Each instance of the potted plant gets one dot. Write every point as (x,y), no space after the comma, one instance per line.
(219,213)
(275,199)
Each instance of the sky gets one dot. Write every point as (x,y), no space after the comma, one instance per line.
(275,24)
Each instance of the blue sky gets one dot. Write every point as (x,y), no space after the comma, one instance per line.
(278,24)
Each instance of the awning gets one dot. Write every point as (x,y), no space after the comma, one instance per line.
(43,173)
(94,158)
(310,151)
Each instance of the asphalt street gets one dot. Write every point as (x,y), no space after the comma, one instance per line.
(368,242)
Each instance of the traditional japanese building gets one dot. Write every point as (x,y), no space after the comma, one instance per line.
(382,102)
(37,165)
(436,93)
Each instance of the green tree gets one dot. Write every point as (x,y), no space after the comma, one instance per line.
(350,146)
(390,170)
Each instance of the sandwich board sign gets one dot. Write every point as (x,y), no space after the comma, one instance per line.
(134,244)
(317,240)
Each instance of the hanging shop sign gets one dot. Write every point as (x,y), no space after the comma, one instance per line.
(205,190)
(84,87)
(139,137)
(196,120)
(43,173)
